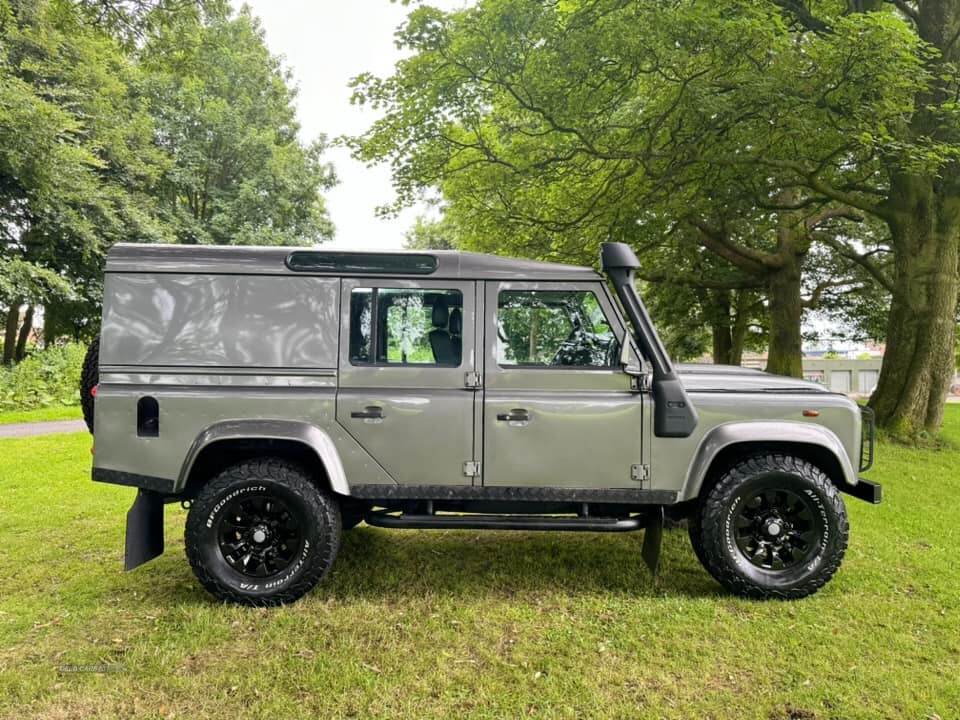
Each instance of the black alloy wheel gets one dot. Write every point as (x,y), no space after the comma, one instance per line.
(259,536)
(777,529)
(772,526)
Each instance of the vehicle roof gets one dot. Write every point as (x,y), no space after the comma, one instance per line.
(246,259)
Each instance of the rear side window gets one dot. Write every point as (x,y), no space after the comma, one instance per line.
(553,328)
(400,326)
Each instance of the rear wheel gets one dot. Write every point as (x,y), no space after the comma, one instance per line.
(89,377)
(261,533)
(774,526)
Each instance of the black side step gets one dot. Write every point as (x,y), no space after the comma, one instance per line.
(865,490)
(506,522)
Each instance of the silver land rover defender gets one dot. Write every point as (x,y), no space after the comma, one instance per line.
(286,395)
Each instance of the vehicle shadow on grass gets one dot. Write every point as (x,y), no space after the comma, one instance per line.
(375,563)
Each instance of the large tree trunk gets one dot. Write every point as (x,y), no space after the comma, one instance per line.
(741,323)
(10,334)
(25,329)
(722,346)
(785,304)
(918,364)
(924,221)
(721,328)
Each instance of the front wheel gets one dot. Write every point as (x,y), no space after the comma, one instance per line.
(774,526)
(261,533)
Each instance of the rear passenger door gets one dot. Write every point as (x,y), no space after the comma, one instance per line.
(558,409)
(406,348)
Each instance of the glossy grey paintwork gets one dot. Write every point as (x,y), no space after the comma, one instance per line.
(263,354)
(427,430)
(189,411)
(586,425)
(219,321)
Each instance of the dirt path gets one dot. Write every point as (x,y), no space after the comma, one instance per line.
(41,428)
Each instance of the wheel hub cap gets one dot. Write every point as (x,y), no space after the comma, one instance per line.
(258,536)
(776,529)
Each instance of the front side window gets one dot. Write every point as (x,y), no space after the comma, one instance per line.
(553,328)
(399,326)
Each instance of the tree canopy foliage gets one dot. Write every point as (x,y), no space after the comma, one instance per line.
(224,114)
(768,135)
(139,121)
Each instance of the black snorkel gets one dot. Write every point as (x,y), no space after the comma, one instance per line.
(673,414)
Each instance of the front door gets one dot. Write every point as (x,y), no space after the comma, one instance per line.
(558,410)
(406,348)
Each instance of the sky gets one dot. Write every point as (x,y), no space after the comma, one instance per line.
(324,44)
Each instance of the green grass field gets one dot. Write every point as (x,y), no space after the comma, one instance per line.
(462,624)
(59,412)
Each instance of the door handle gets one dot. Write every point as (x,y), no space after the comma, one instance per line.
(515,415)
(371,412)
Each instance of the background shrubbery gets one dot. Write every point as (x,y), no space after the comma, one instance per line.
(47,378)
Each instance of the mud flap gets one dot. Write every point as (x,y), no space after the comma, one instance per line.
(144,539)
(652,540)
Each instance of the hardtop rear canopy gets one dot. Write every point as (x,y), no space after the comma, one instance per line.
(251,260)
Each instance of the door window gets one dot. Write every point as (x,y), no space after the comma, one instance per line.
(399,326)
(553,328)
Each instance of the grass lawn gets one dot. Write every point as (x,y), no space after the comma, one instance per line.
(60,412)
(462,624)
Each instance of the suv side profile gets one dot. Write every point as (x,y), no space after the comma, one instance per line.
(287,395)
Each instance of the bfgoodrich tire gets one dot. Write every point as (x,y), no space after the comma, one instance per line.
(261,533)
(773,527)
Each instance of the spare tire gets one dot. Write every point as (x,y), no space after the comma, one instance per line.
(89,378)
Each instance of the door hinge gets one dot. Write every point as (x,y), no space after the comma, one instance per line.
(471,379)
(471,468)
(640,473)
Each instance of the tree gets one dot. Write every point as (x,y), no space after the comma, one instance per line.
(76,159)
(427,234)
(548,116)
(224,112)
(139,121)
(25,282)
(702,302)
